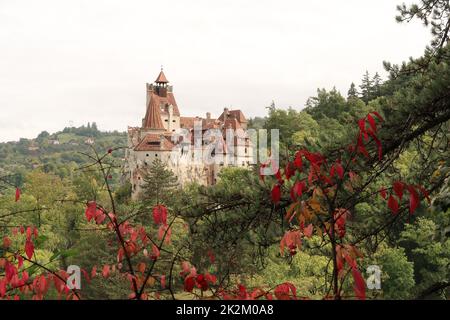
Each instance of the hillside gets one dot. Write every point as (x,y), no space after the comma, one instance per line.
(60,152)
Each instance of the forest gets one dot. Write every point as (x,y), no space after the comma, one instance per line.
(363,191)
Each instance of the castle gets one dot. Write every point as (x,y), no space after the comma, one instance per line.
(194,148)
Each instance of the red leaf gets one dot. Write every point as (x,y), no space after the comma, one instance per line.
(288,171)
(28,233)
(307,232)
(393,204)
(167,239)
(210,278)
(297,190)
(86,275)
(339,170)
(161,232)
(105,271)
(201,282)
(189,283)
(163,281)
(398,189)
(350,261)
(160,214)
(413,199)
(141,267)
(278,176)
(6,242)
(155,252)
(283,291)
(2,287)
(186,267)
(91,210)
(94,272)
(332,171)
(276,194)
(18,194)
(362,128)
(29,248)
(372,123)
(359,286)
(298,163)
(99,217)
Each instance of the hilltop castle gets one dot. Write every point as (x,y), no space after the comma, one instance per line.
(184,142)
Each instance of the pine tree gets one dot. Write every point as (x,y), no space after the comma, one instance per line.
(376,89)
(352,92)
(160,183)
(366,87)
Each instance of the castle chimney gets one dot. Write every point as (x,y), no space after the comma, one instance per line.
(225,114)
(208,115)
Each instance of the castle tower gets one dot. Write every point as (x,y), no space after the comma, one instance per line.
(155,139)
(160,96)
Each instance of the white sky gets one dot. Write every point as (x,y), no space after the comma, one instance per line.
(65,62)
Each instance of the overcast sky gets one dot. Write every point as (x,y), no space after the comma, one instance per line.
(70,62)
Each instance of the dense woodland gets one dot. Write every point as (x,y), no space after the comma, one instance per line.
(364,180)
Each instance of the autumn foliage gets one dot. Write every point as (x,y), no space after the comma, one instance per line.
(309,185)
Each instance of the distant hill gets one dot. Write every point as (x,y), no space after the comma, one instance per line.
(59,152)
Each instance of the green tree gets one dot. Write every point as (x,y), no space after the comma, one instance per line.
(432,12)
(397,277)
(160,184)
(377,82)
(366,87)
(430,254)
(352,92)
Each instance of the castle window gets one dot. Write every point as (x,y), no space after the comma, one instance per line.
(173,121)
(167,120)
(246,150)
(139,178)
(146,155)
(156,154)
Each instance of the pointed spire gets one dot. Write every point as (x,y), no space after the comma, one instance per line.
(153,117)
(162,77)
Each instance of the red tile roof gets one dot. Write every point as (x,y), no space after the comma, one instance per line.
(237,114)
(169,100)
(161,78)
(187,122)
(155,142)
(152,118)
